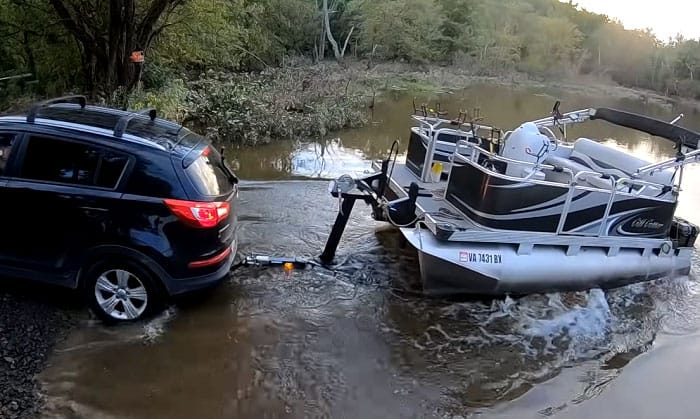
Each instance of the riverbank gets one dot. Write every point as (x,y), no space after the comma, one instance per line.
(30,327)
(308,101)
(304,101)
(448,79)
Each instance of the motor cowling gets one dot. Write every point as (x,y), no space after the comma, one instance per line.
(684,232)
(525,144)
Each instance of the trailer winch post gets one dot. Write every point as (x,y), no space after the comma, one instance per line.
(341,220)
(369,189)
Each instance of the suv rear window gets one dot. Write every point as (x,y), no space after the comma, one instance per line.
(209,174)
(61,161)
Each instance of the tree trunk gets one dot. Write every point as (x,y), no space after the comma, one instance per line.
(106,59)
(30,54)
(89,63)
(329,34)
(322,41)
(371,57)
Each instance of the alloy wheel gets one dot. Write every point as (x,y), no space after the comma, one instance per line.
(121,294)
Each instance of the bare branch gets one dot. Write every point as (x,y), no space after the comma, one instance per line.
(164,26)
(72,25)
(9,34)
(154,13)
(345,45)
(165,20)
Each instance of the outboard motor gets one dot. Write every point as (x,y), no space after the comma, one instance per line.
(683,232)
(526,144)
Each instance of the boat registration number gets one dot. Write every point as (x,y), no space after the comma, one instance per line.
(479,257)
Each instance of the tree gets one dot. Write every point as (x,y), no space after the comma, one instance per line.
(33,40)
(107,35)
(402,29)
(553,45)
(498,33)
(688,58)
(457,28)
(337,51)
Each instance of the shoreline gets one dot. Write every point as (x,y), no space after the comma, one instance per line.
(306,101)
(437,79)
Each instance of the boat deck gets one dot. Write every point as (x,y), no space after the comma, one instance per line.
(438,212)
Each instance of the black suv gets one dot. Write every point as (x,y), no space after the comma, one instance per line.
(127,207)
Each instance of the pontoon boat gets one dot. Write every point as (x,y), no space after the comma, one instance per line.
(527,212)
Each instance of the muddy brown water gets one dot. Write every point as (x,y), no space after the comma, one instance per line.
(358,341)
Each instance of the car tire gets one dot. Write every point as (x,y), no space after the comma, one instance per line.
(121,292)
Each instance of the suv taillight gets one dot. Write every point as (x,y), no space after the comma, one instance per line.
(199,214)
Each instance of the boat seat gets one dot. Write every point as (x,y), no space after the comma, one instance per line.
(575,167)
(616,163)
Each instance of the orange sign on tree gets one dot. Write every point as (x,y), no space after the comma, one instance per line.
(137,57)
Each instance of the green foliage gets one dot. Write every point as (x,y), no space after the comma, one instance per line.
(400,29)
(33,41)
(170,100)
(282,103)
(688,88)
(688,59)
(237,34)
(554,46)
(207,35)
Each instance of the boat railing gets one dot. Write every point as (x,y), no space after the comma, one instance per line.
(680,161)
(432,123)
(477,150)
(570,195)
(615,186)
(432,127)
(573,117)
(575,182)
(433,139)
(450,131)
(642,183)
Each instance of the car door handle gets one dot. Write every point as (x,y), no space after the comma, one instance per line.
(82,202)
(94,209)
(74,198)
(68,197)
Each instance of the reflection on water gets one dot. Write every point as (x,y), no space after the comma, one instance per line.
(328,160)
(358,340)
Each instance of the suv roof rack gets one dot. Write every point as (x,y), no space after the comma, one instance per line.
(123,122)
(80,99)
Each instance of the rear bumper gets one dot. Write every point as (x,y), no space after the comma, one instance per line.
(179,286)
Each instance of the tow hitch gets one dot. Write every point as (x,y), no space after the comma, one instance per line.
(288,263)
